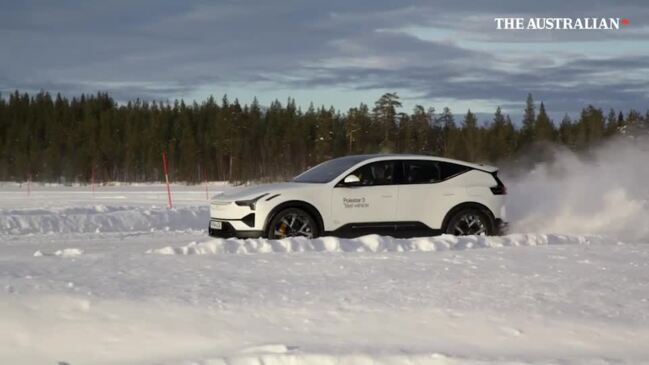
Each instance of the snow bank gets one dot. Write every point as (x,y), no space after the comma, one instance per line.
(359,358)
(101,218)
(432,358)
(370,243)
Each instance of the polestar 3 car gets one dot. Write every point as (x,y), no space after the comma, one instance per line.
(395,195)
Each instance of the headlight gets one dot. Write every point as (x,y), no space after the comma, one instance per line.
(250,202)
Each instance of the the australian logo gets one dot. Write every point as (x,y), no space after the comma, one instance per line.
(556,23)
(355,203)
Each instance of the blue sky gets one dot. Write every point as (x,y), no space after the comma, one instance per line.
(340,53)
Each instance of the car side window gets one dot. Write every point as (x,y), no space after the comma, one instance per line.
(421,172)
(376,173)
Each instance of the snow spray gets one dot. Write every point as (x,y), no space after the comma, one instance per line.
(602,192)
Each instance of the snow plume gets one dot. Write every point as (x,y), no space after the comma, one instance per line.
(605,192)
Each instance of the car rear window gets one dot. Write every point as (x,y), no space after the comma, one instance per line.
(449,170)
(422,172)
(429,172)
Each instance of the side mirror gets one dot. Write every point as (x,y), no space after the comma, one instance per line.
(352,180)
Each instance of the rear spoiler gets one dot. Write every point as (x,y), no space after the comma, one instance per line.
(486,168)
(478,166)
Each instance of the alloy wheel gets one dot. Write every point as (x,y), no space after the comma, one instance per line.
(293,225)
(470,224)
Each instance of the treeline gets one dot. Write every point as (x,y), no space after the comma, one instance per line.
(58,139)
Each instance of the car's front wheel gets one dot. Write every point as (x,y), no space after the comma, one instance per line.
(292,222)
(468,222)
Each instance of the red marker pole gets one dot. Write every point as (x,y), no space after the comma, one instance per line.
(166,170)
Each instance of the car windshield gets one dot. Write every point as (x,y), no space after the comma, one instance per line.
(328,170)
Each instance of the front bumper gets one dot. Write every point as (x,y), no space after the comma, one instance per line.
(228,230)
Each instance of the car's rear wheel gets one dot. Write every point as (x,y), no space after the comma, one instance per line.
(292,222)
(468,222)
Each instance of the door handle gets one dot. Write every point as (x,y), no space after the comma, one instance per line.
(386,196)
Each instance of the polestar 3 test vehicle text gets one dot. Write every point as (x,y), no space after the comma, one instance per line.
(395,195)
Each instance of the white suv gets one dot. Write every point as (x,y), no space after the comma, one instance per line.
(395,195)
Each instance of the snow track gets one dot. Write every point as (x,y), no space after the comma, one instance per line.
(369,243)
(102,218)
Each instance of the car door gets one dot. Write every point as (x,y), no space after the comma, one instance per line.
(424,196)
(367,203)
(427,191)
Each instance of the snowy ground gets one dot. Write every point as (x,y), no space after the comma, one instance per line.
(117,278)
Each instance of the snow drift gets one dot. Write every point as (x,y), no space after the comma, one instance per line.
(101,218)
(369,243)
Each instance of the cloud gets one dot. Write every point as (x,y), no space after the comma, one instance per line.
(446,51)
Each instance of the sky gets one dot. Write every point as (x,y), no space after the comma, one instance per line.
(340,53)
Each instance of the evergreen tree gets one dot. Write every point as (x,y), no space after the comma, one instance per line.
(566,132)
(451,136)
(611,123)
(471,138)
(544,129)
(61,139)
(593,124)
(324,135)
(421,125)
(385,114)
(529,121)
(501,137)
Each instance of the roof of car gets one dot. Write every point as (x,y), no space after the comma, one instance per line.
(398,156)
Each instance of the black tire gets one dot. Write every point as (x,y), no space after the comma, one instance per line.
(470,221)
(292,222)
